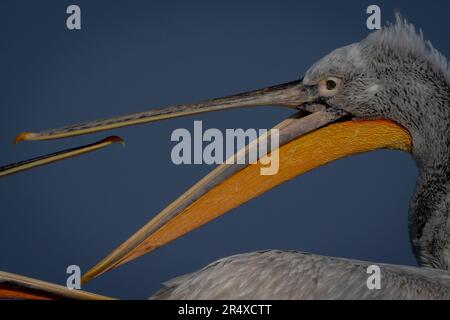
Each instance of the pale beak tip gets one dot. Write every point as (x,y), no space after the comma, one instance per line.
(24,136)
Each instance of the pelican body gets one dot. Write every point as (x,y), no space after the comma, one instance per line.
(389,91)
(290,275)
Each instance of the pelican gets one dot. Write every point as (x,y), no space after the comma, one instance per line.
(389,91)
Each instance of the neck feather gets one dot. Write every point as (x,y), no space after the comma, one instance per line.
(430,217)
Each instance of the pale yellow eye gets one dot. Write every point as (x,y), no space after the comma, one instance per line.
(329,86)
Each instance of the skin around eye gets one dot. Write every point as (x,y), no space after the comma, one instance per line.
(329,87)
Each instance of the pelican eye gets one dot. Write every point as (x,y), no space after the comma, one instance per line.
(331,84)
(329,87)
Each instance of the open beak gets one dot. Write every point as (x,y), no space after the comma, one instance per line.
(314,136)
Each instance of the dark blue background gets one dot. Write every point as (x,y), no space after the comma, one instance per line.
(137,55)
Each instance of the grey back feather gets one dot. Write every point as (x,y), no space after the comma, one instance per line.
(288,275)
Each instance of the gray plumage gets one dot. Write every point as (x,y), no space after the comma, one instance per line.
(392,74)
(301,276)
(395,74)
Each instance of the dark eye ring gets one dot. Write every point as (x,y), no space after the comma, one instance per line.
(331,84)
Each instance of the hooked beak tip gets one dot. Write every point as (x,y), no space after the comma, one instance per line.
(115,139)
(24,136)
